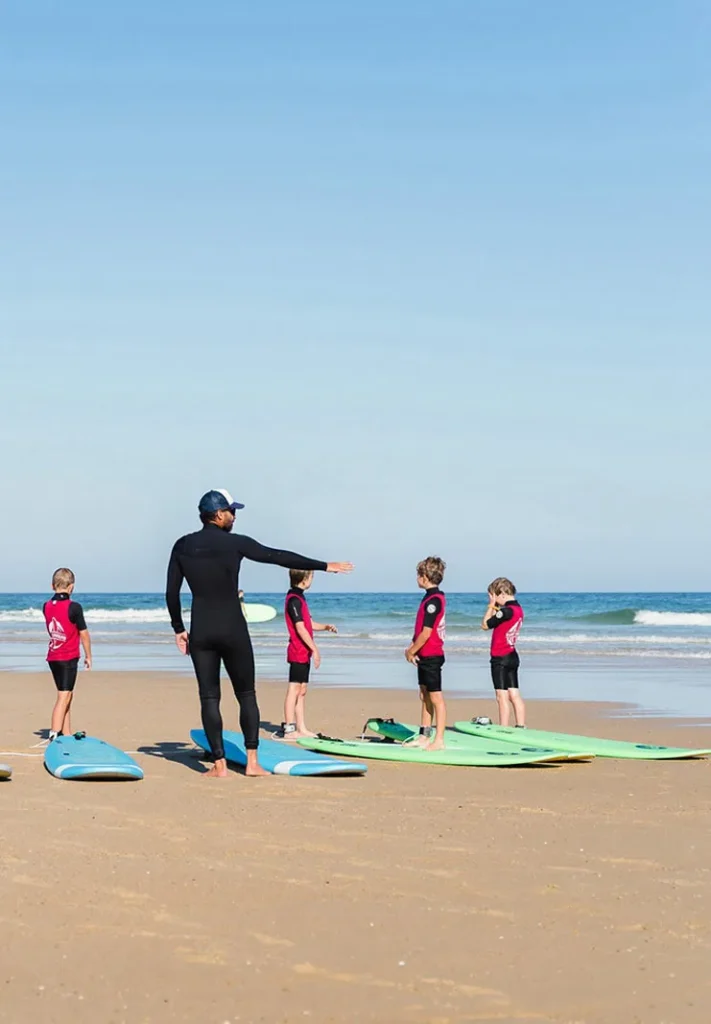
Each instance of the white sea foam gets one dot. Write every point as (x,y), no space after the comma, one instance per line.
(651,618)
(92,615)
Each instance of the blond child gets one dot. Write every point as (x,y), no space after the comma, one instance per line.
(67,630)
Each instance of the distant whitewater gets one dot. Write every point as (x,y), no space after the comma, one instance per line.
(590,625)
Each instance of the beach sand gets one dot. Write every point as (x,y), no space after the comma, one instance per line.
(577,893)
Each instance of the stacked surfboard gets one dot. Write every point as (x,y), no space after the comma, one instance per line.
(476,744)
(571,743)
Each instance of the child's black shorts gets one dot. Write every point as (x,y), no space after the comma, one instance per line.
(504,671)
(429,673)
(65,673)
(299,671)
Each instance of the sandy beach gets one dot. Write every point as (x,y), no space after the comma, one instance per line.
(577,893)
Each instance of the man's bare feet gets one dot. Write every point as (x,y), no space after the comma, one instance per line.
(435,745)
(218,770)
(254,769)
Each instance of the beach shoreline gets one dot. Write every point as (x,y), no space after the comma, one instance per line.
(414,894)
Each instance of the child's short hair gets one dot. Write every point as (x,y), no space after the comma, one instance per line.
(62,579)
(501,586)
(297,576)
(432,569)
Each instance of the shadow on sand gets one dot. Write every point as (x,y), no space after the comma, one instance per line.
(192,757)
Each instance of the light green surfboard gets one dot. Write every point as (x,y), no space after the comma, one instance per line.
(401,733)
(567,741)
(384,751)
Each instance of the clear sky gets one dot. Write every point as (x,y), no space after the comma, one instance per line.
(406,277)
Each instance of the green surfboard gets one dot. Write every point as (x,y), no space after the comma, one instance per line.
(567,741)
(383,750)
(401,733)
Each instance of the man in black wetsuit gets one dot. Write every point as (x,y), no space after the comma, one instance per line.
(210,562)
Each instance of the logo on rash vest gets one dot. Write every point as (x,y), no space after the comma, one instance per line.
(431,608)
(512,634)
(56,634)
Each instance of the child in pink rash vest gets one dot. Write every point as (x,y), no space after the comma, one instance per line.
(427,652)
(504,617)
(67,630)
(301,651)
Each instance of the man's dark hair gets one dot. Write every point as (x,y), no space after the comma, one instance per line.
(207,517)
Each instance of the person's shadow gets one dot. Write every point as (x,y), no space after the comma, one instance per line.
(271,727)
(182,753)
(192,757)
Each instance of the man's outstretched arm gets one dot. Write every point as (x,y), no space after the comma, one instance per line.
(257,552)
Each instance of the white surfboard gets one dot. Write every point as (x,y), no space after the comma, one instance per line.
(5,771)
(259,612)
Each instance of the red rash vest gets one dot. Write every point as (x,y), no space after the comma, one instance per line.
(297,652)
(505,634)
(428,606)
(63,633)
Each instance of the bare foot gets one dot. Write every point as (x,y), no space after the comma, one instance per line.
(306,734)
(416,741)
(218,770)
(255,771)
(435,745)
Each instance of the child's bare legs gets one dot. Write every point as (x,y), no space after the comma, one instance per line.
(504,706)
(519,708)
(293,691)
(294,710)
(426,715)
(439,709)
(300,709)
(61,721)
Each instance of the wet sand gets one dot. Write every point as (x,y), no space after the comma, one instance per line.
(577,893)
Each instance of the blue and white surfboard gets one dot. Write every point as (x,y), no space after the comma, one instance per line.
(84,757)
(282,758)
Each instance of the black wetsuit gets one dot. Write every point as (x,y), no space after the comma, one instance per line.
(210,561)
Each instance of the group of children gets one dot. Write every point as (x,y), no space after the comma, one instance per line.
(503,617)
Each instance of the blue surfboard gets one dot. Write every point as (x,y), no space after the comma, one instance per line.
(281,758)
(84,757)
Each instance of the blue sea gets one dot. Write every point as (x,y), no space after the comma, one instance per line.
(652,650)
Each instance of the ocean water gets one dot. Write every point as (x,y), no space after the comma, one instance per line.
(616,625)
(652,649)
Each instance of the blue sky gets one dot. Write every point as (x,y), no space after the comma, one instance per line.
(407,278)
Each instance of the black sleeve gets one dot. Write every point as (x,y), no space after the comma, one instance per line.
(257,552)
(503,615)
(432,610)
(172,590)
(294,611)
(76,615)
